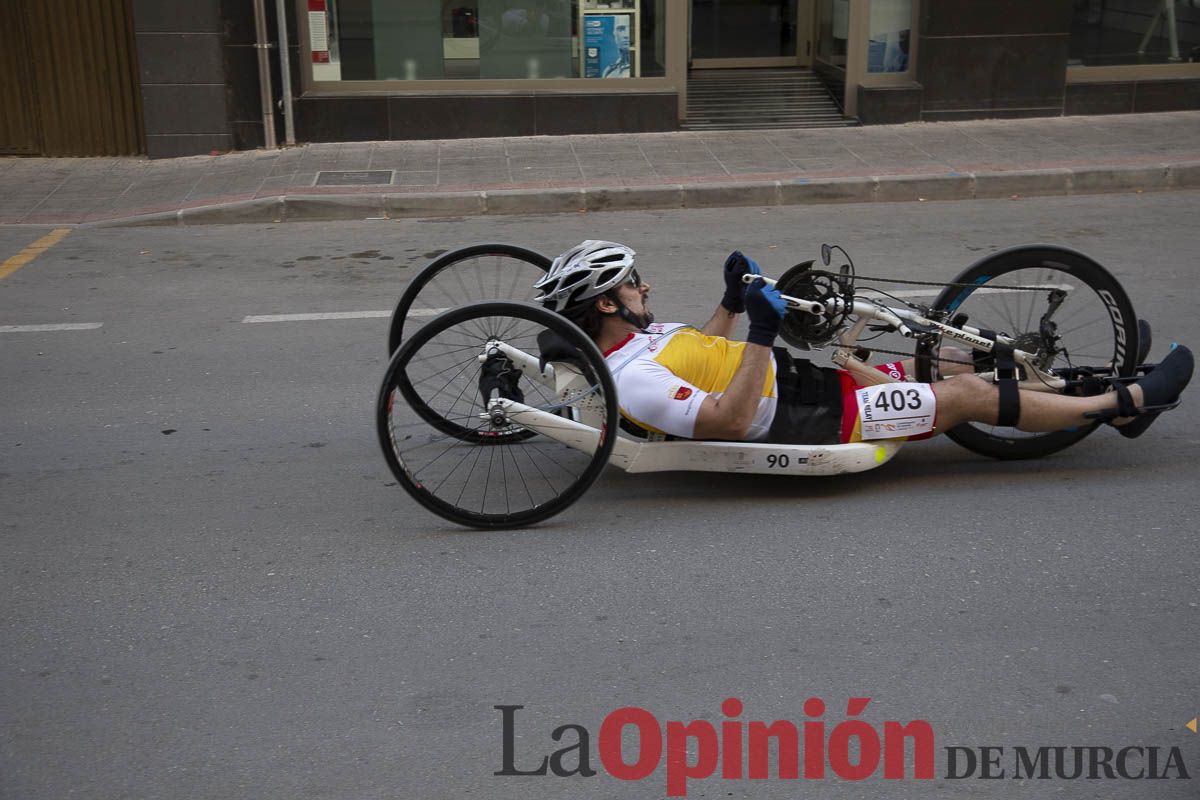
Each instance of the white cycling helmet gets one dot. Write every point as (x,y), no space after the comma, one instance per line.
(587,270)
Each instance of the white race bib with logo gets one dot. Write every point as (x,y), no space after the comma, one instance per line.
(892,410)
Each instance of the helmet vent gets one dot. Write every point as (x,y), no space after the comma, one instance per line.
(585,271)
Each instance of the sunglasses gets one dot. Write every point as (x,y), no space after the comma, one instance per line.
(634,279)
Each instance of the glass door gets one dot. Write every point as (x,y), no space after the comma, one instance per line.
(750,33)
(833,33)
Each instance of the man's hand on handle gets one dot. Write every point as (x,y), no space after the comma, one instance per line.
(765,306)
(736,267)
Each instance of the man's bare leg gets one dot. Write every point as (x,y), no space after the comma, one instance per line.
(951,361)
(954,361)
(966,398)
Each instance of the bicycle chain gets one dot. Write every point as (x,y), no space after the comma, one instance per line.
(948,283)
(911,282)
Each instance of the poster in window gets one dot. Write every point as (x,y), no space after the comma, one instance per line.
(891,28)
(606,45)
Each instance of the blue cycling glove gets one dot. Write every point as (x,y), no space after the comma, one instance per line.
(765,306)
(736,266)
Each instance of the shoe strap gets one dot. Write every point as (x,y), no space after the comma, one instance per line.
(1125,405)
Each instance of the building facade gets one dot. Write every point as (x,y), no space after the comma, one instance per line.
(429,69)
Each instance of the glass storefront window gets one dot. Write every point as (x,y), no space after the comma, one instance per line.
(890,33)
(833,31)
(411,40)
(1112,32)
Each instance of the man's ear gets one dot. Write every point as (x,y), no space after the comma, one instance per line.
(606,305)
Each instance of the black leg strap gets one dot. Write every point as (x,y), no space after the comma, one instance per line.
(1006,381)
(1010,404)
(984,361)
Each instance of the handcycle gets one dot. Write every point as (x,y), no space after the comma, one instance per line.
(497,413)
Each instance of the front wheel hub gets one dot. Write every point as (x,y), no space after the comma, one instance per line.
(497,417)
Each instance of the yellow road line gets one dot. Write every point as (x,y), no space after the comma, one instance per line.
(11,265)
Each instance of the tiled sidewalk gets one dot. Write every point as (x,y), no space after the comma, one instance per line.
(65,191)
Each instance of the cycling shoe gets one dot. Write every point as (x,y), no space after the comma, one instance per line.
(1145,337)
(1161,389)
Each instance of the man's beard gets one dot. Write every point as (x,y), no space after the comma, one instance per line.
(640,321)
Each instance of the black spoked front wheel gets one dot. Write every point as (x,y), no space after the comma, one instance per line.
(1076,316)
(467,275)
(450,411)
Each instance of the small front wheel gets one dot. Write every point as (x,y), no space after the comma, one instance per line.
(451,444)
(1071,312)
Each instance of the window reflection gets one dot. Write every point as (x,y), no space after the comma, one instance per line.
(890,32)
(530,39)
(833,30)
(1108,32)
(496,39)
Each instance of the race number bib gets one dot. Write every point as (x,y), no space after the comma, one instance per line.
(892,410)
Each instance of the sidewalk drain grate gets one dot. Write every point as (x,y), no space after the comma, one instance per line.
(371,177)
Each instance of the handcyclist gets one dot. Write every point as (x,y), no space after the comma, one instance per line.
(697,383)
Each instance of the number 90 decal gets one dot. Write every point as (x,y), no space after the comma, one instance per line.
(783,460)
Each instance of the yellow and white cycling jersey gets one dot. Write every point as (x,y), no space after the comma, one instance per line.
(664,373)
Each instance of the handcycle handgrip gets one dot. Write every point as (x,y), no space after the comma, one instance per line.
(819,309)
(807,306)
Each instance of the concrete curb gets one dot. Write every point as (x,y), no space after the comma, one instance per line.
(728,195)
(632,198)
(157,219)
(263,209)
(1119,179)
(1184,174)
(534,201)
(313,207)
(804,191)
(907,188)
(1022,183)
(432,204)
(1057,182)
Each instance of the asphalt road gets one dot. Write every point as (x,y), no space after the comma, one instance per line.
(212,587)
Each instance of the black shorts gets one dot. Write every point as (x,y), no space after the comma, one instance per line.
(809,407)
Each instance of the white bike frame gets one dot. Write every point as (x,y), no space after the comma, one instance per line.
(865,310)
(585,426)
